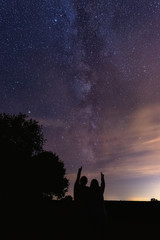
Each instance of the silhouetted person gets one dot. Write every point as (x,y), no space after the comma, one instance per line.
(81,197)
(97,211)
(81,191)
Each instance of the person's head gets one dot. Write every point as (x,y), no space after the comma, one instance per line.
(83,180)
(94,184)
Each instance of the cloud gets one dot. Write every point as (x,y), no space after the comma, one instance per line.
(129,155)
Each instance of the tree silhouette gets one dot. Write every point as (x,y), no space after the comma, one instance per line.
(27,171)
(20,135)
(50,177)
(20,139)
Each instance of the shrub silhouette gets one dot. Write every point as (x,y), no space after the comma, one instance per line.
(50,180)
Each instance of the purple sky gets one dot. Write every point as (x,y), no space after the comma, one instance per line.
(89,72)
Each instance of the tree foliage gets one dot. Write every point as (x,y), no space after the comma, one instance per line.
(27,171)
(21,135)
(50,175)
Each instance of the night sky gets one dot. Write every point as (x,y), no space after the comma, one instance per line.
(89,72)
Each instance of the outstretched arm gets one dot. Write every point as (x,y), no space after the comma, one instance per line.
(102,182)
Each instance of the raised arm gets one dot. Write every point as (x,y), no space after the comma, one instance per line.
(76,185)
(102,182)
(78,175)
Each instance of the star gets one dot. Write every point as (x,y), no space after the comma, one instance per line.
(88,71)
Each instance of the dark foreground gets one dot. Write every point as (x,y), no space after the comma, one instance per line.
(59,220)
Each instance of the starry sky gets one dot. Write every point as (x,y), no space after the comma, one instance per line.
(89,72)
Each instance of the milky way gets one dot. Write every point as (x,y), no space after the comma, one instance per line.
(89,72)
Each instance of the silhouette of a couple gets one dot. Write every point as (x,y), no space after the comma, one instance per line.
(90,202)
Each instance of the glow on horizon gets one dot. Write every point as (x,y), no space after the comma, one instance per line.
(134,173)
(88,71)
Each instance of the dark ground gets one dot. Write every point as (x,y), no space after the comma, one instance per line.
(59,220)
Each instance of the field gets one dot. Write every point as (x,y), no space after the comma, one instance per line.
(129,220)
